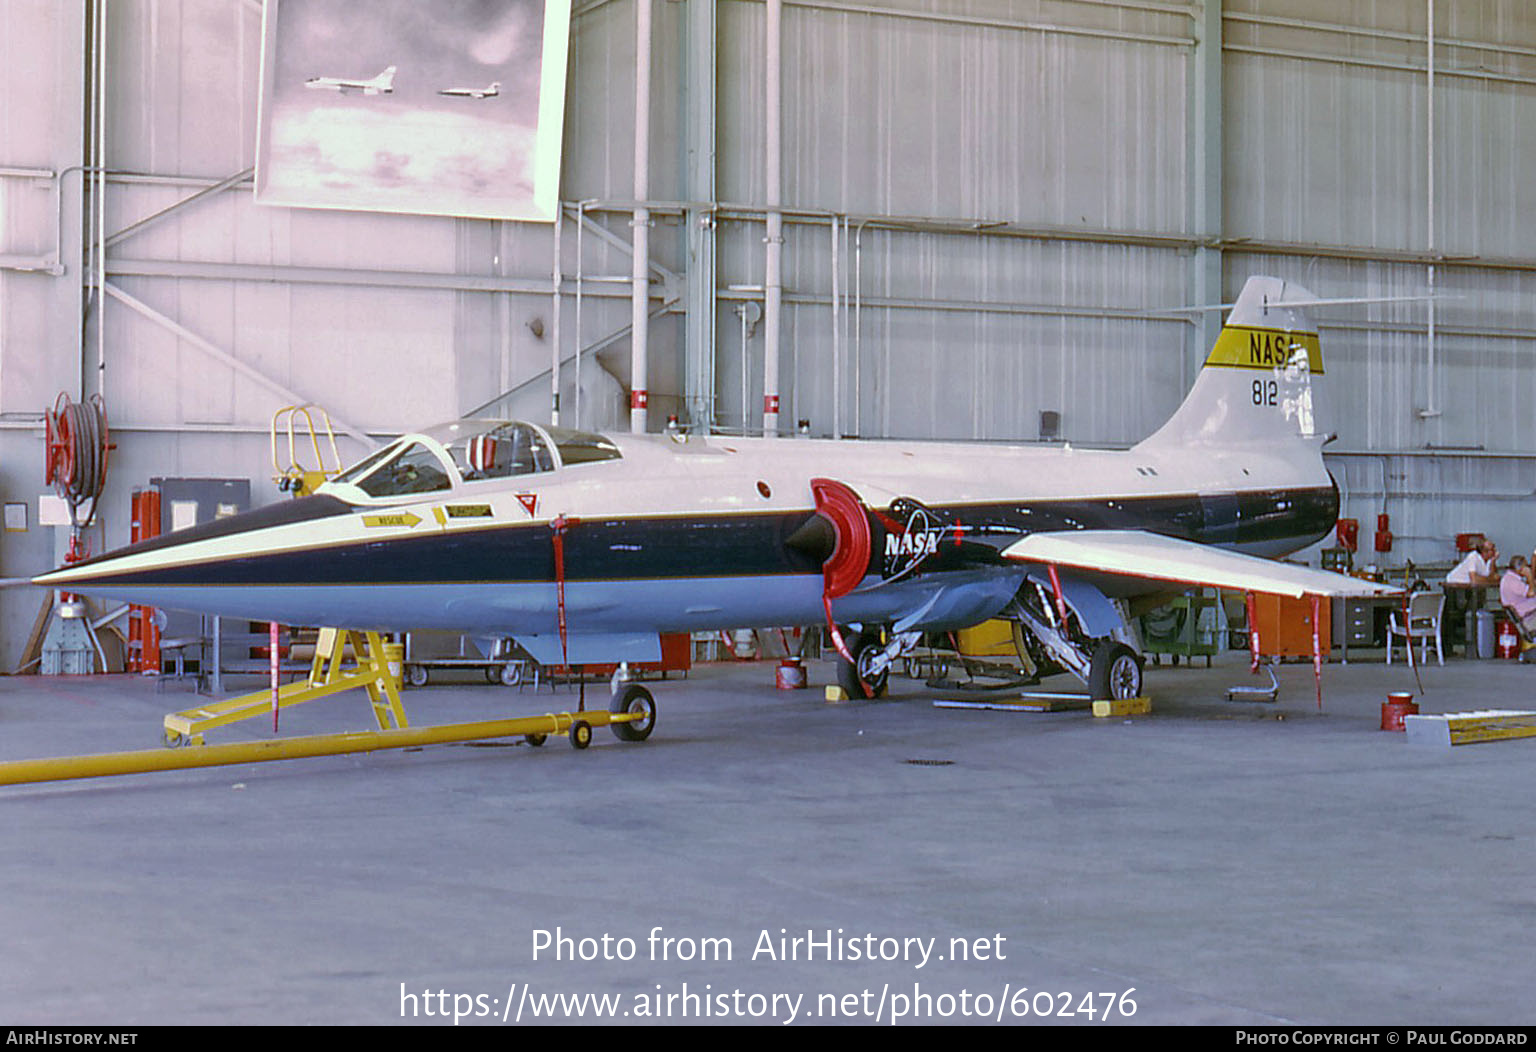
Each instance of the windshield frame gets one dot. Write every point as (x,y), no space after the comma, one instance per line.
(349,484)
(439,440)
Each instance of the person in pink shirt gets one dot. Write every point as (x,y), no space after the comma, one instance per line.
(1517,591)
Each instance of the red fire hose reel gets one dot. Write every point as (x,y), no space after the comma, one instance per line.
(75,454)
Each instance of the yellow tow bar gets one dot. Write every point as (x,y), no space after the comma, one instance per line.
(633,723)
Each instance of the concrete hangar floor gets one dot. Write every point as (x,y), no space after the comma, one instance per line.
(768,857)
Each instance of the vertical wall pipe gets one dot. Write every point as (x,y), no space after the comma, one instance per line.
(837,310)
(581,229)
(848,338)
(857,388)
(640,274)
(699,140)
(554,322)
(773,282)
(857,348)
(101,201)
(858,332)
(1433,408)
(1205,157)
(89,191)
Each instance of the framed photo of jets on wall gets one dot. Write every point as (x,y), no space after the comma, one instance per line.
(451,108)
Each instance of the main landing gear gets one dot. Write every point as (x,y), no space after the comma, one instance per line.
(1111,669)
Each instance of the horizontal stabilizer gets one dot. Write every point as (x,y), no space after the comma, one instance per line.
(1146,555)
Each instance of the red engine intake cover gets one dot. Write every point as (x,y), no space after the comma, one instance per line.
(849,561)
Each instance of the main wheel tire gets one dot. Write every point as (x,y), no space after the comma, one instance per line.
(633,698)
(1116,673)
(856,679)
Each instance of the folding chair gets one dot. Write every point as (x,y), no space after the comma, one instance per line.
(1424,612)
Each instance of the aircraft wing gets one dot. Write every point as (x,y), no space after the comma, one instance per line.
(1133,553)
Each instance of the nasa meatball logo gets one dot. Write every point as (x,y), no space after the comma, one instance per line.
(915,541)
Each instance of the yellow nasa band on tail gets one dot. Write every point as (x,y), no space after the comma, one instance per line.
(1242,347)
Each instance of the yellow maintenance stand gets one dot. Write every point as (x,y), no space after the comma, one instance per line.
(329,673)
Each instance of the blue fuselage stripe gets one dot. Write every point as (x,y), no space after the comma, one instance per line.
(720,547)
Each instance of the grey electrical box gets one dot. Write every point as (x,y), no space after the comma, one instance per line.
(193,502)
(1050,425)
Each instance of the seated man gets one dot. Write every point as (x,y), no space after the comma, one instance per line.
(1478,569)
(1516,592)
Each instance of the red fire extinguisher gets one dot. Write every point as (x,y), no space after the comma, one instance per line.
(1509,640)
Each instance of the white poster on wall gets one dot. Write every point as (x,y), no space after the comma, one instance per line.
(450,108)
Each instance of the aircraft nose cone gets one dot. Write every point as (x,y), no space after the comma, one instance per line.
(815,538)
(232,539)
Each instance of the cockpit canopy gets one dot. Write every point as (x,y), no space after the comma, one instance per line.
(472,451)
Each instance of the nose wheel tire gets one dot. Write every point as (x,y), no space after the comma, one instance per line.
(858,680)
(1116,673)
(634,700)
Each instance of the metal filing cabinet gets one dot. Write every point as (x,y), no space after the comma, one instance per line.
(1355,621)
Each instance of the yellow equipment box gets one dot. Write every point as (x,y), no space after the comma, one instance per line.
(989,639)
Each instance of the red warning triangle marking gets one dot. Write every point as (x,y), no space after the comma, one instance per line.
(529,501)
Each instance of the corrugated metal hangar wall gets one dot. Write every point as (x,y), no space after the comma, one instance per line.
(989,207)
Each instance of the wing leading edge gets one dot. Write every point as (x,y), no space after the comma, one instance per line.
(1132,553)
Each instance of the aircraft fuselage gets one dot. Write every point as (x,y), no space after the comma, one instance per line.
(681,535)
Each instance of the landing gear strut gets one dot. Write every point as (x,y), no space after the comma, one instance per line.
(1111,669)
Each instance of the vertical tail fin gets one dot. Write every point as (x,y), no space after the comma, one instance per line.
(1257,385)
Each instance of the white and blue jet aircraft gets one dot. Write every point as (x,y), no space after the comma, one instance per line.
(383,84)
(584,547)
(490,91)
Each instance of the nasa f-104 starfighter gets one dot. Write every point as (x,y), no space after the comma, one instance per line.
(585,547)
(490,91)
